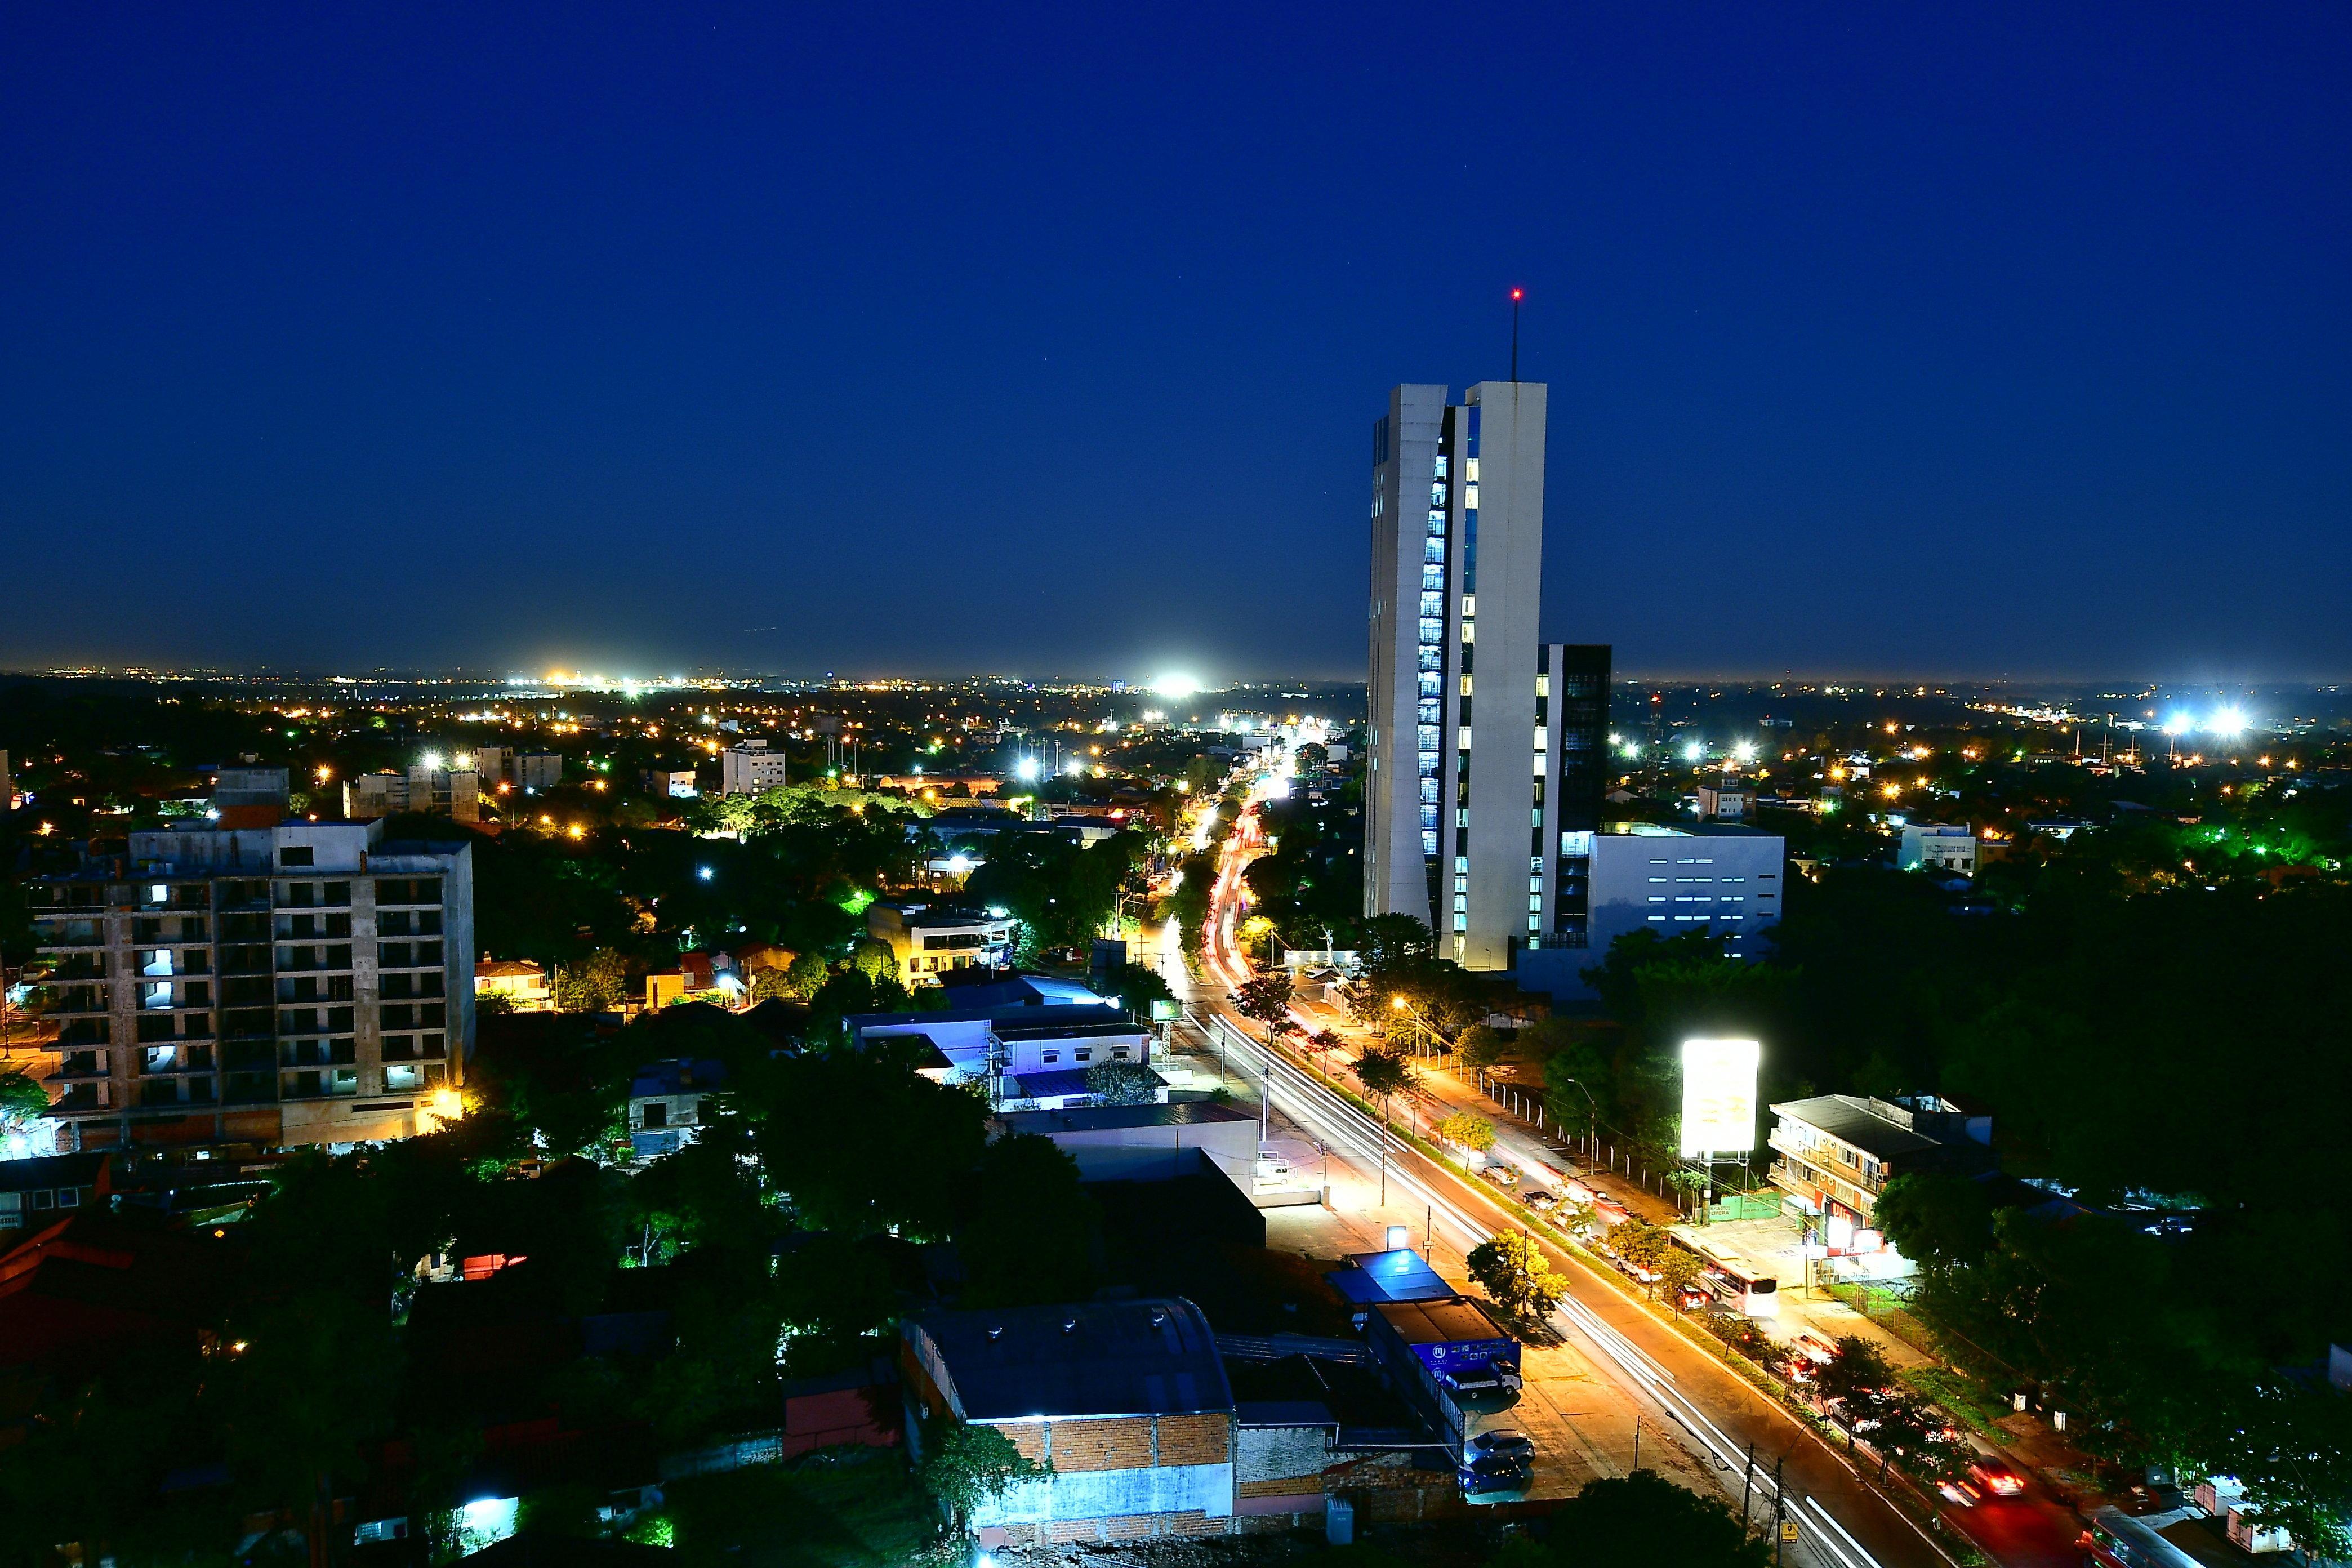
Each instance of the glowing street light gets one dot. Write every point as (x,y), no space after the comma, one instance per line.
(1694,752)
(1025,770)
(1745,751)
(2228,721)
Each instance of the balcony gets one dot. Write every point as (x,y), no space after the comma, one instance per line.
(68,1001)
(52,931)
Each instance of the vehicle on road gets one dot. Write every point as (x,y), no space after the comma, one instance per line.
(1739,1285)
(1996,1476)
(1818,1348)
(1503,1442)
(1539,1200)
(1611,1210)
(1501,1176)
(1960,1492)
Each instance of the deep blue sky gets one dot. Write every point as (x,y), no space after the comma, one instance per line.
(888,339)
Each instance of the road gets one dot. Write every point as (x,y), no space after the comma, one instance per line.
(1842,1522)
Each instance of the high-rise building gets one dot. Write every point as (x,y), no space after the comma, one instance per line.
(1454,828)
(306,982)
(1572,732)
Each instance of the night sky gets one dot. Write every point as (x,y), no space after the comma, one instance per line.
(892,339)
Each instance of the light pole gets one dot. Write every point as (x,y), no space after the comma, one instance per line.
(1592,1133)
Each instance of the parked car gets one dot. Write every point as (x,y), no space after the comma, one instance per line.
(1997,1478)
(1539,1200)
(1506,1442)
(1961,1493)
(1495,1473)
(1501,1176)
(1818,1348)
(1695,1299)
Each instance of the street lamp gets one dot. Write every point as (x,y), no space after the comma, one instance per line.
(1592,1136)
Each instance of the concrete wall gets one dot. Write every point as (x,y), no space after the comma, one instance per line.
(1156,1153)
(1502,754)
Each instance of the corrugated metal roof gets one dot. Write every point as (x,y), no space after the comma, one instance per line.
(1849,1119)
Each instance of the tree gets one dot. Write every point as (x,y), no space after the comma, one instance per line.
(1577,1219)
(1935,1218)
(1678,1272)
(1029,1235)
(860,1142)
(597,983)
(1858,1370)
(1136,986)
(1516,1276)
(967,1465)
(1643,1519)
(1481,1047)
(22,1099)
(1265,1002)
(1641,1243)
(1122,1083)
(1385,1074)
(1466,1131)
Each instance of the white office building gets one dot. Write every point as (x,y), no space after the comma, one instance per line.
(747,767)
(1454,828)
(1718,878)
(1939,844)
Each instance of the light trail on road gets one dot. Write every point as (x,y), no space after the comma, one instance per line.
(1350,1130)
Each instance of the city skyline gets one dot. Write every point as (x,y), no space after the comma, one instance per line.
(1890,352)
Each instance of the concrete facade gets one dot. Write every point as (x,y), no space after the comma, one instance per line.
(747,767)
(1451,836)
(259,986)
(1126,1400)
(1715,877)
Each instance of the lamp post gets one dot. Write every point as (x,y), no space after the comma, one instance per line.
(1592,1133)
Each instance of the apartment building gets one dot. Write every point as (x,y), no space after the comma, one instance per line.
(452,793)
(302,983)
(747,767)
(503,767)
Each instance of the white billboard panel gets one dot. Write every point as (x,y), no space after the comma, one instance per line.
(1719,1095)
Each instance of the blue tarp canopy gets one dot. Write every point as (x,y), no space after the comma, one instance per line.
(1398,1276)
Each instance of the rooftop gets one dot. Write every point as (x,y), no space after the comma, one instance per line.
(1114,1118)
(1144,1357)
(1849,1119)
(1453,1321)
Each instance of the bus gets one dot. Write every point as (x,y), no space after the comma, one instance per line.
(1737,1284)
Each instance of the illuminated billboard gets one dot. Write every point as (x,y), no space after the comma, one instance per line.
(1719,1095)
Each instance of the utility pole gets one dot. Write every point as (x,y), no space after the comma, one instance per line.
(1747,1483)
(1779,1504)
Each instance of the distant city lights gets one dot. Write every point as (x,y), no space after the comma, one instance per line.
(1174,685)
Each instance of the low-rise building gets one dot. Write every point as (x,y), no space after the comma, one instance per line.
(930,938)
(1726,803)
(1030,1041)
(667,1104)
(698,976)
(1126,1401)
(48,1188)
(1148,1143)
(1937,845)
(748,767)
(522,982)
(1838,1152)
(1721,877)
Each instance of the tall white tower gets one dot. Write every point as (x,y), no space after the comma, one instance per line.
(1454,828)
